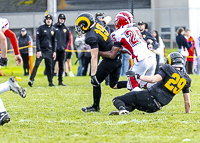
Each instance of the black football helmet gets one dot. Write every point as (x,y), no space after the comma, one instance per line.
(175,59)
(99,15)
(84,22)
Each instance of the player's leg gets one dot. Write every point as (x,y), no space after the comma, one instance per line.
(101,74)
(4,116)
(11,84)
(150,64)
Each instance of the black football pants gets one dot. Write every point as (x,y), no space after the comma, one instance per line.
(111,67)
(47,56)
(140,100)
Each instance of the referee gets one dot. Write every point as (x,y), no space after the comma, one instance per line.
(46,45)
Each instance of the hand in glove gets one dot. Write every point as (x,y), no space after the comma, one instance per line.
(94,81)
(133,74)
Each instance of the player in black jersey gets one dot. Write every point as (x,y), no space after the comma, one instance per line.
(99,40)
(169,82)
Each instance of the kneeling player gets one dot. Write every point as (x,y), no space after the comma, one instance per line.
(169,82)
(10,85)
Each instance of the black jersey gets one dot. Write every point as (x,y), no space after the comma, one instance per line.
(172,83)
(62,36)
(98,37)
(46,39)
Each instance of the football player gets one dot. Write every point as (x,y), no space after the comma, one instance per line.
(10,85)
(99,40)
(128,39)
(6,32)
(169,82)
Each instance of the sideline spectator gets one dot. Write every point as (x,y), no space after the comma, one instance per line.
(69,55)
(190,59)
(197,53)
(23,41)
(62,36)
(86,60)
(80,45)
(159,51)
(46,44)
(182,43)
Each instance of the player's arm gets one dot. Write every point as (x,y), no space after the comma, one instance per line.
(149,79)
(110,54)
(187,103)
(94,63)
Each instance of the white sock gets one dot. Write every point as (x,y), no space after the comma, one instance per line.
(4,87)
(2,108)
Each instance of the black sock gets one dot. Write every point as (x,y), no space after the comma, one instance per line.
(121,84)
(96,96)
(119,104)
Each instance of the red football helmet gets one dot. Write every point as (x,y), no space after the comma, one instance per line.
(123,18)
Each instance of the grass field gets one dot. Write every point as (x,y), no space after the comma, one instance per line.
(53,114)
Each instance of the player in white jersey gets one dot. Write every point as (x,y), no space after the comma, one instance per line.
(6,32)
(128,39)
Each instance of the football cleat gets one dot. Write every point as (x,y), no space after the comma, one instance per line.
(120,112)
(4,118)
(14,86)
(3,61)
(30,83)
(114,113)
(90,109)
(123,112)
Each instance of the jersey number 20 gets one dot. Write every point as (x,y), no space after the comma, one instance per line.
(177,84)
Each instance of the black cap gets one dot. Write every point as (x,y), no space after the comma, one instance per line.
(23,29)
(61,16)
(49,16)
(140,23)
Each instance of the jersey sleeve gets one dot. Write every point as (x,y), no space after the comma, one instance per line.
(116,39)
(92,41)
(162,73)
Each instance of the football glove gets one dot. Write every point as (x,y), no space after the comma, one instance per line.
(94,81)
(133,74)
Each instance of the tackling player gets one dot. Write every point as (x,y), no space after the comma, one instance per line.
(6,32)
(169,82)
(99,40)
(128,39)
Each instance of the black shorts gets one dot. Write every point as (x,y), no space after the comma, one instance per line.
(68,55)
(140,100)
(111,67)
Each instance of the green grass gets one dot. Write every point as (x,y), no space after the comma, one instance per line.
(53,114)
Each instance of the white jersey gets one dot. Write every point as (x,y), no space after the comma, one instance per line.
(4,23)
(132,42)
